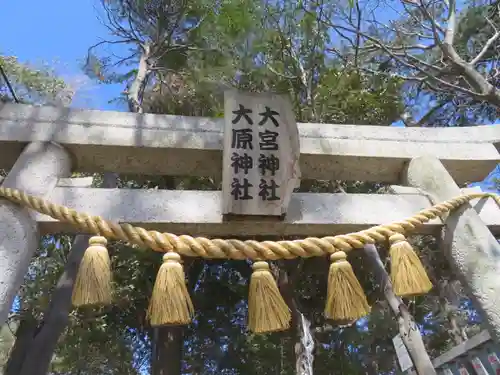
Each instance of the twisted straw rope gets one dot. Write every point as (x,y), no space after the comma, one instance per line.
(236,249)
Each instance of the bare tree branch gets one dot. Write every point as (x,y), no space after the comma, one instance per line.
(449,35)
(425,118)
(435,65)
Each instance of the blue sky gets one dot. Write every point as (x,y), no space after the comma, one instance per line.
(57,32)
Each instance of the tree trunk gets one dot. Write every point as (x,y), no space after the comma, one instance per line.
(408,330)
(167,350)
(304,344)
(167,342)
(24,334)
(41,347)
(136,90)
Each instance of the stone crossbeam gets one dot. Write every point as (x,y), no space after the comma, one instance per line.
(198,213)
(71,182)
(173,145)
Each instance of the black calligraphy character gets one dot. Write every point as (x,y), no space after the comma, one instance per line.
(268,140)
(269,163)
(269,114)
(242,138)
(241,162)
(242,112)
(268,191)
(241,191)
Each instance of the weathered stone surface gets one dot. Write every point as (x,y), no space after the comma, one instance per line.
(468,244)
(71,182)
(159,144)
(26,115)
(35,172)
(199,212)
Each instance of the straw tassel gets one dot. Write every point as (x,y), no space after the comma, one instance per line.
(345,300)
(408,275)
(267,311)
(170,303)
(93,281)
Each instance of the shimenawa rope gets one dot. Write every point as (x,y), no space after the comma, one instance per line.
(267,311)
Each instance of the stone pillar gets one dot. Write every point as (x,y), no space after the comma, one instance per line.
(470,247)
(36,172)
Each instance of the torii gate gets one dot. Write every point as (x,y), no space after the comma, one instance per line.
(43,145)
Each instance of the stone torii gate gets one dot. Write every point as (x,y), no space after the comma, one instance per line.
(41,146)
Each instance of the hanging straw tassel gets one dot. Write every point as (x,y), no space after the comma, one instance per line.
(267,311)
(93,281)
(170,302)
(408,275)
(345,300)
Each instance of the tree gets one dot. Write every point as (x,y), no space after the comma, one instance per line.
(446,55)
(197,89)
(31,85)
(274,46)
(161,34)
(445,62)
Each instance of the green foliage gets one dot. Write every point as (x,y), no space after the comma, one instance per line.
(352,97)
(32,85)
(474,30)
(82,351)
(45,270)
